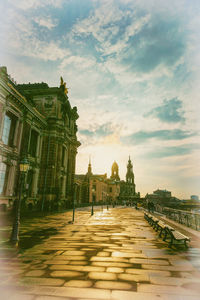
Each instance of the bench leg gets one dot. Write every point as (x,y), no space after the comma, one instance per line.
(185,243)
(165,235)
(171,242)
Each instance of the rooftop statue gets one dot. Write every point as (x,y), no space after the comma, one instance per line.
(62,83)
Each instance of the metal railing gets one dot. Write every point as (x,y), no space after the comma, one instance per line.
(189,219)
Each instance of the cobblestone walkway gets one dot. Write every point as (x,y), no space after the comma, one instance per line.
(114,254)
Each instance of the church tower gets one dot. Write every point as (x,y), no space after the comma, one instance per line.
(129,173)
(115,172)
(89,172)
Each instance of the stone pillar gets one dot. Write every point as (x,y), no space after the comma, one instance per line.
(15,140)
(2,115)
(38,146)
(10,179)
(19,135)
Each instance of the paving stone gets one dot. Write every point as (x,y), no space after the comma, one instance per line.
(78,268)
(133,277)
(35,273)
(93,269)
(80,262)
(102,276)
(111,264)
(88,249)
(56,262)
(106,259)
(113,285)
(123,254)
(50,298)
(42,281)
(77,253)
(75,257)
(167,268)
(172,280)
(38,267)
(126,295)
(165,289)
(70,274)
(149,261)
(103,254)
(14,295)
(148,272)
(70,292)
(115,270)
(79,283)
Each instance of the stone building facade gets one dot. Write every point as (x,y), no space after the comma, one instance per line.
(37,122)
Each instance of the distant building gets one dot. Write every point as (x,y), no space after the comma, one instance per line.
(163,198)
(194,197)
(37,122)
(162,193)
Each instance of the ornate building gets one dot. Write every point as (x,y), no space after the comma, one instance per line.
(37,122)
(127,188)
(97,187)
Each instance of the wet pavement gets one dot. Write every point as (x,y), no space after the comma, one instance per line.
(113,254)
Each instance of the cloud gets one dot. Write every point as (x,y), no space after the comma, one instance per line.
(169,112)
(173,151)
(77,62)
(33,4)
(45,22)
(159,42)
(143,136)
(100,131)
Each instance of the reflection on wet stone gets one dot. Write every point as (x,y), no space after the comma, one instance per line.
(95,258)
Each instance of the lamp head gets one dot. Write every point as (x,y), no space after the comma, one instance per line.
(24,165)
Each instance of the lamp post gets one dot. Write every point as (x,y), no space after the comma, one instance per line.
(74,200)
(23,168)
(92,211)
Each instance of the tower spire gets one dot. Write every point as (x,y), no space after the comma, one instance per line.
(89,166)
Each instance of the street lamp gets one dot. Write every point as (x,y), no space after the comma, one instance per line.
(92,211)
(74,200)
(23,168)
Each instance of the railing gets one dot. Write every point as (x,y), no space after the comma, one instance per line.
(187,218)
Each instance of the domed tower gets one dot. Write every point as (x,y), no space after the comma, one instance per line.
(129,173)
(89,172)
(115,171)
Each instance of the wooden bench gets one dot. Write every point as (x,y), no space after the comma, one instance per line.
(167,230)
(151,219)
(176,236)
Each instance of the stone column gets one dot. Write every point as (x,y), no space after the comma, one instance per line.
(10,180)
(15,140)
(38,146)
(19,135)
(2,114)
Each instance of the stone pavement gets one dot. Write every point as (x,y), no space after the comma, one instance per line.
(114,254)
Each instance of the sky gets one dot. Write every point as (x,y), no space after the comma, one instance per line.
(132,69)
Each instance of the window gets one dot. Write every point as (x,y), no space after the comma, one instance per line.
(94,187)
(110,190)
(3,168)
(33,143)
(9,127)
